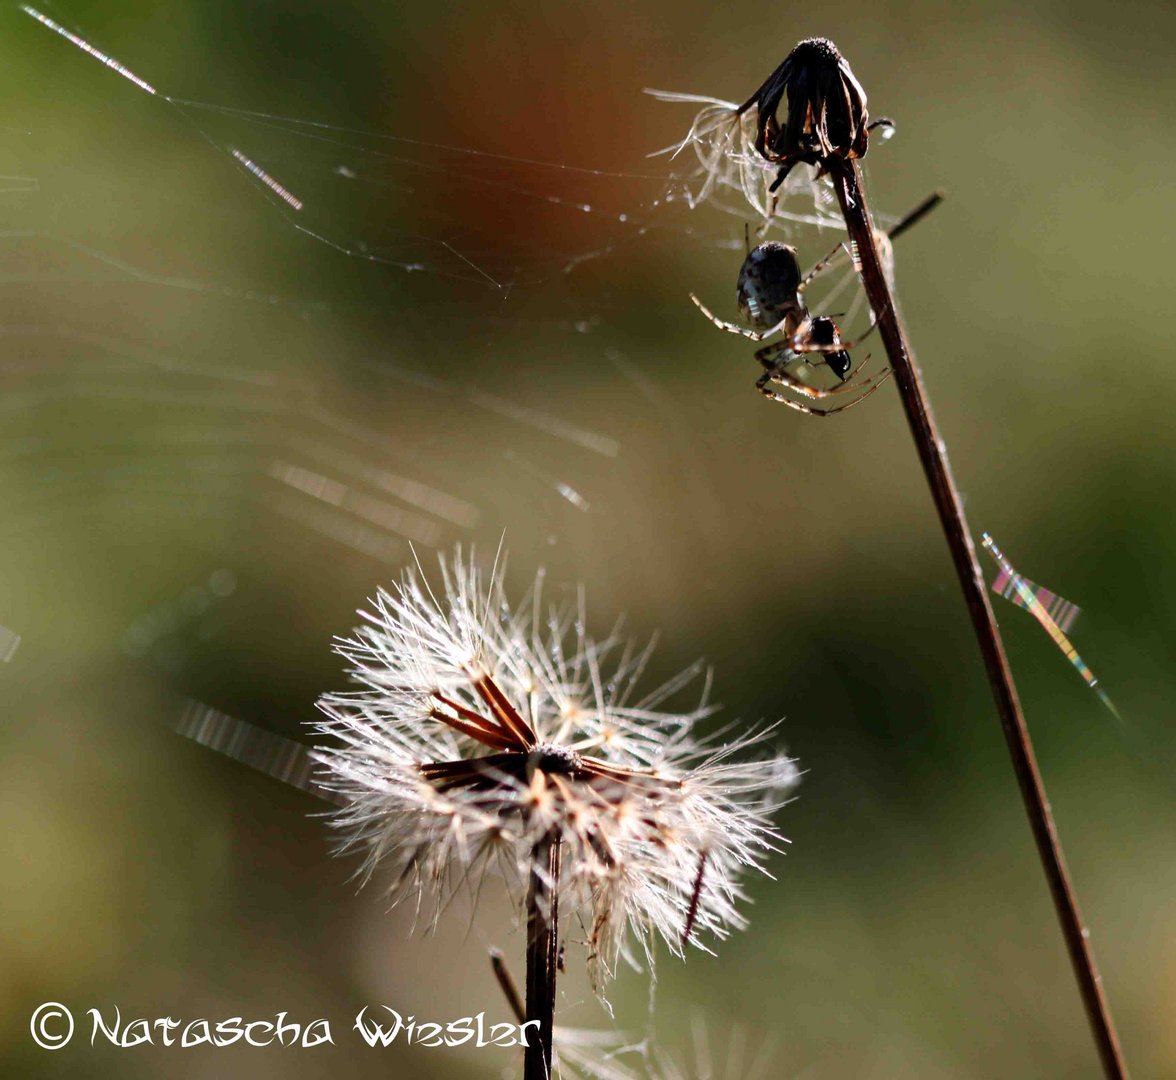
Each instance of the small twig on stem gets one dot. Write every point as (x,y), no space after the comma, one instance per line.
(847,180)
(507,984)
(542,955)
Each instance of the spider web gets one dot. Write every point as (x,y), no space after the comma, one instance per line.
(421,207)
(114,423)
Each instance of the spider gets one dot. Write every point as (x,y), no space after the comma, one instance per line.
(771,298)
(770,293)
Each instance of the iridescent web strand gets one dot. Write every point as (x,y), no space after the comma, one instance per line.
(266,751)
(269,181)
(86,47)
(1027,597)
(251,166)
(1010,586)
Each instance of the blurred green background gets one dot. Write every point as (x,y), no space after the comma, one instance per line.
(198,381)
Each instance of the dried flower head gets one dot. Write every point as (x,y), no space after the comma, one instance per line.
(827,114)
(486,732)
(745,148)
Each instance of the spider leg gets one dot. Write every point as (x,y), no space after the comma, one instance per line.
(774,372)
(855,372)
(733,328)
(774,395)
(850,373)
(767,358)
(817,394)
(820,267)
(767,355)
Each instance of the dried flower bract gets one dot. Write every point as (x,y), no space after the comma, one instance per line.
(485,734)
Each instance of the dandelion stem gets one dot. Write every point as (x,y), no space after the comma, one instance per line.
(932,451)
(542,955)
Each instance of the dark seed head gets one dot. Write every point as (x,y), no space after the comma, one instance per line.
(817,50)
(553,760)
(827,114)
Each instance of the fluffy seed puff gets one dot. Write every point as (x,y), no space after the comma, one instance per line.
(723,137)
(483,730)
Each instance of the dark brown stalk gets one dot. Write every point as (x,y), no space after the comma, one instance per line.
(542,955)
(933,454)
(509,990)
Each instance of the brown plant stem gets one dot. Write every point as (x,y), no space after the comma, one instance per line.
(542,955)
(507,984)
(847,179)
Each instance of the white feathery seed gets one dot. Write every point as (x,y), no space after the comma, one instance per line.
(723,141)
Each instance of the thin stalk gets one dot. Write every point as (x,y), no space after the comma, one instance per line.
(932,451)
(542,955)
(509,990)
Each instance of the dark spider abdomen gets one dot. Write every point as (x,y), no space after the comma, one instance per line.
(768,283)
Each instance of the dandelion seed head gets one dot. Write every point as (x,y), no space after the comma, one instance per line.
(480,728)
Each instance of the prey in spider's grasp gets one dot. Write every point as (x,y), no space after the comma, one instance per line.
(770,293)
